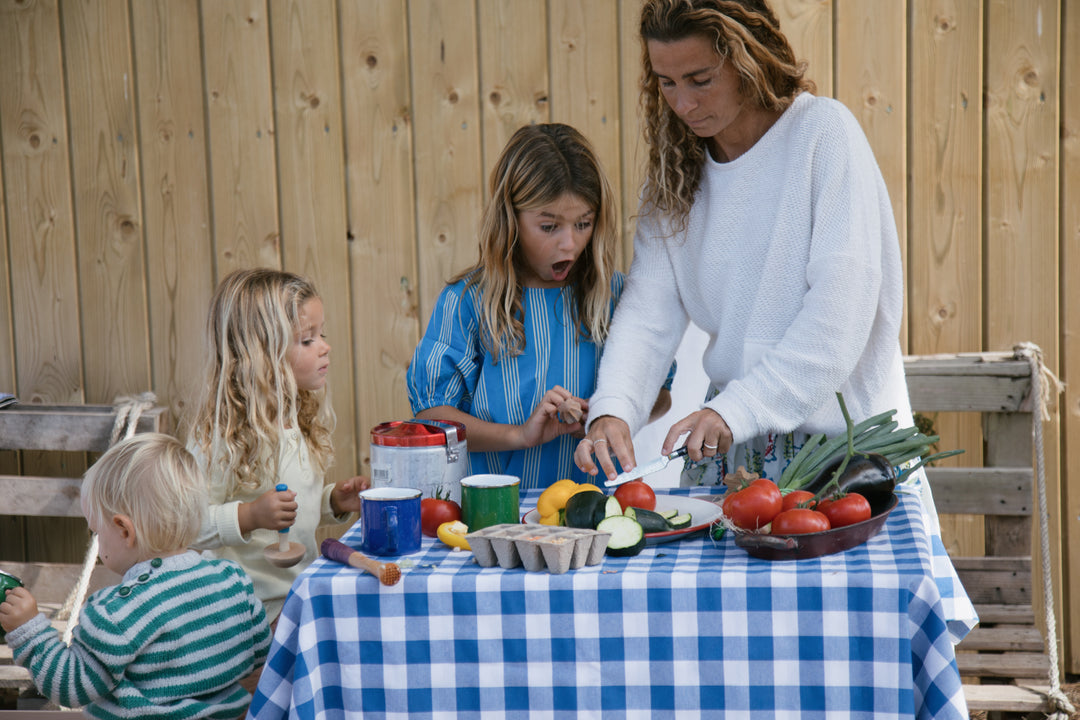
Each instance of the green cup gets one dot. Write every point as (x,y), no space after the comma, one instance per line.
(7,582)
(489,500)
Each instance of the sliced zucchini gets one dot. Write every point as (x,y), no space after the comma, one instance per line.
(613,507)
(680,522)
(630,513)
(651,522)
(627,536)
(668,514)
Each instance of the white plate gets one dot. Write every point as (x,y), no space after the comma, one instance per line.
(702,514)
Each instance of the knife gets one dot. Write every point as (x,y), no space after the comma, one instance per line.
(642,470)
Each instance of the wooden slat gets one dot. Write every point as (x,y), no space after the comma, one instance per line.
(982,491)
(514,88)
(1007,638)
(382,230)
(446,117)
(241,132)
(1010,614)
(40,496)
(68,427)
(1003,665)
(176,202)
(808,25)
(1014,698)
(996,580)
(310,141)
(51,583)
(634,151)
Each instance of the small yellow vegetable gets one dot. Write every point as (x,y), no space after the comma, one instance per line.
(453,534)
(553,499)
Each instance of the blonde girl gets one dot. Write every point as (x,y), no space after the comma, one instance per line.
(264,418)
(518,335)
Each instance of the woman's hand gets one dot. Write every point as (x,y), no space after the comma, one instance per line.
(273,510)
(345,497)
(17,608)
(709,434)
(544,425)
(607,435)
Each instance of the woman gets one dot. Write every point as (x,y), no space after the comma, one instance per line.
(766,221)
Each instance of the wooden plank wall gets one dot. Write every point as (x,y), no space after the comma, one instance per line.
(148,148)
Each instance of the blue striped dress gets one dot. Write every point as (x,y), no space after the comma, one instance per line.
(451,367)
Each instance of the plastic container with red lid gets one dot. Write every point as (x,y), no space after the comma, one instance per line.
(429,455)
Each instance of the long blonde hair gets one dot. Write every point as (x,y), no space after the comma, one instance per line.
(250,395)
(539,164)
(745,33)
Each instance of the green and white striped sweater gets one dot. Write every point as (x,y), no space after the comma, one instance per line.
(173,640)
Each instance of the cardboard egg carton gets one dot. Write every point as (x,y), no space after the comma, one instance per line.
(537,547)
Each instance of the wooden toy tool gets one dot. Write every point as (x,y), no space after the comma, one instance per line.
(388,573)
(284,553)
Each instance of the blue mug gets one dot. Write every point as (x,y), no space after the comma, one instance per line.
(390,521)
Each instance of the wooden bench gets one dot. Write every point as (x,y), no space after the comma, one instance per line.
(70,428)
(1003,660)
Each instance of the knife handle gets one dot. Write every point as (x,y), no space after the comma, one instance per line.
(681,452)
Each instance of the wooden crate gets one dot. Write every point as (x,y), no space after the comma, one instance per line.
(78,428)
(1003,661)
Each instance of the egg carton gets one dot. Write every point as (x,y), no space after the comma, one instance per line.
(538,547)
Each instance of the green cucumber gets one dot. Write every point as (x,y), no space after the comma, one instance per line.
(680,522)
(668,514)
(627,536)
(650,521)
(612,507)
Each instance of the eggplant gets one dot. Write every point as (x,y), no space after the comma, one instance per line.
(869,474)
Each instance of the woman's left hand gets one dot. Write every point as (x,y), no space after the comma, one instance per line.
(709,435)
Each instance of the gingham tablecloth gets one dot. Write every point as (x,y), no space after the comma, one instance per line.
(689,629)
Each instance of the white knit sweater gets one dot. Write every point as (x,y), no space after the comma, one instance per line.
(790,262)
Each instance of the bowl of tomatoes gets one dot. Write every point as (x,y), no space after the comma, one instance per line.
(773,526)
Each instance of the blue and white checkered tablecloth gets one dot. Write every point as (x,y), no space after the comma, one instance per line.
(689,629)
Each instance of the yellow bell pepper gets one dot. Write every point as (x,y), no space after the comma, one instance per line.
(453,534)
(554,499)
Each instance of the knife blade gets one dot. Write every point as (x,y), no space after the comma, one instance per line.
(642,470)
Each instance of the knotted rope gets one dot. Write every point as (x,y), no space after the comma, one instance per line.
(127,410)
(1045,389)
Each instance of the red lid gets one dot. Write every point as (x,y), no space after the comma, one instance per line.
(416,433)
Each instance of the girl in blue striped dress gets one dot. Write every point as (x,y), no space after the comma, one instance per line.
(514,341)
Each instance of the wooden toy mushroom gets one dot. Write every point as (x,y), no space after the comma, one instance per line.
(284,553)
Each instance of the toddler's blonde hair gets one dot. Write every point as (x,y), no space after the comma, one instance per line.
(155,482)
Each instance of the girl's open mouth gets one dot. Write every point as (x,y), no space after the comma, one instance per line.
(561,269)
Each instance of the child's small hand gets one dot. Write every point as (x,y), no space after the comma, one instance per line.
(544,424)
(18,607)
(273,510)
(345,497)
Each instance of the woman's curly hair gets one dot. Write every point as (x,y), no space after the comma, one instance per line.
(745,33)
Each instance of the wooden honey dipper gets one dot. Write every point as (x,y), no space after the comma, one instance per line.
(283,553)
(388,573)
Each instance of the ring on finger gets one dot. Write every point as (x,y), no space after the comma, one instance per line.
(707,446)
(601,440)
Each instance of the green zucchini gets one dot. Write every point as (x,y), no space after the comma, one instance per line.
(627,536)
(680,522)
(612,507)
(668,514)
(650,521)
(585,509)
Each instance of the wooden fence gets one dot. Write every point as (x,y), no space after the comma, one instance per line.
(147,147)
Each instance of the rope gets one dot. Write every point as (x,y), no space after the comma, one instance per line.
(1044,394)
(127,410)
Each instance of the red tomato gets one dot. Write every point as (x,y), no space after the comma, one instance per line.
(798,521)
(637,494)
(753,506)
(847,510)
(796,497)
(435,512)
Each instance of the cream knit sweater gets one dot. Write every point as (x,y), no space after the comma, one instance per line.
(790,262)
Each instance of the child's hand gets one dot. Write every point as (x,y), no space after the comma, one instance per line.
(18,607)
(345,497)
(544,424)
(273,510)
